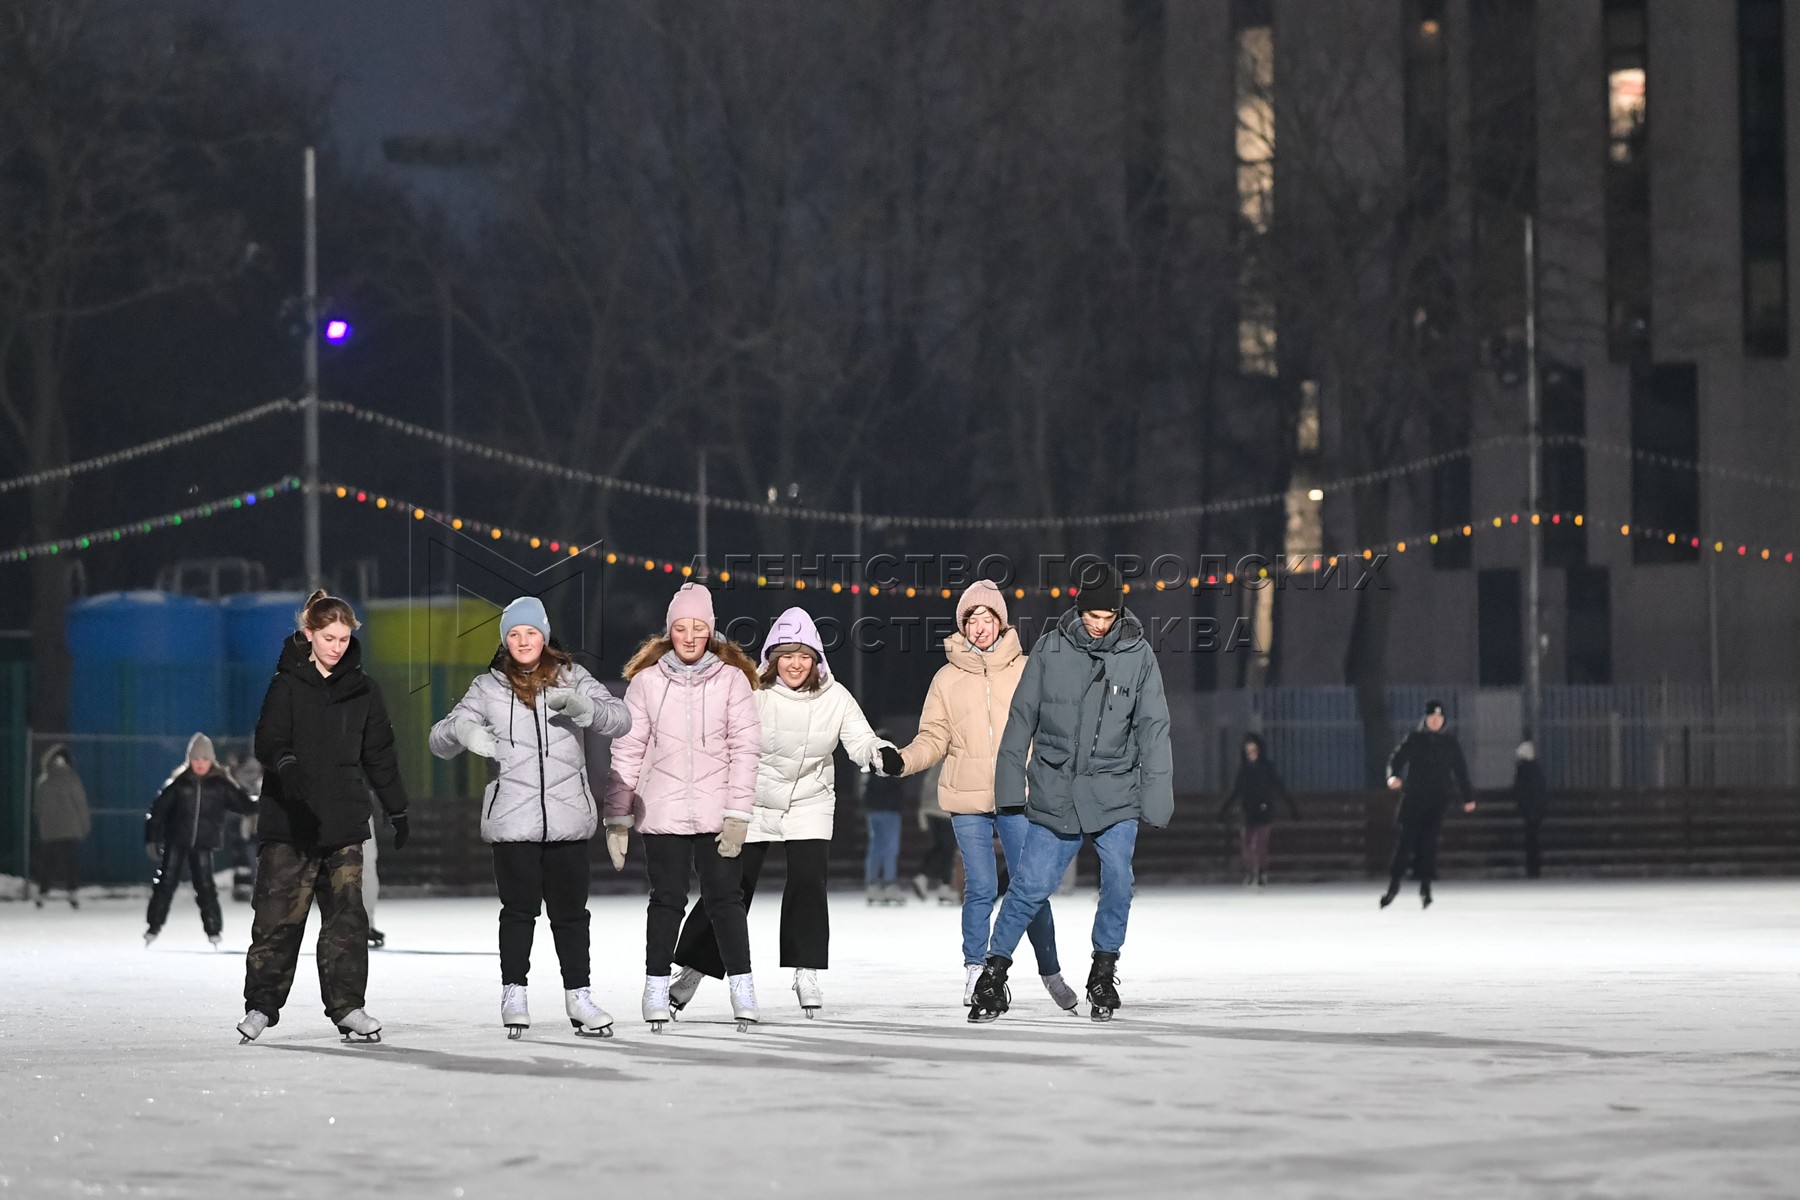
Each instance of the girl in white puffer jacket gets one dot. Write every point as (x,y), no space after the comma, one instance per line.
(685,776)
(806,714)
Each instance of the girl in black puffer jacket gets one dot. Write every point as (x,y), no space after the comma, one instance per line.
(182,830)
(323,739)
(1255,791)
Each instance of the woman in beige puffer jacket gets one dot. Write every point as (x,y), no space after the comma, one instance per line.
(964,716)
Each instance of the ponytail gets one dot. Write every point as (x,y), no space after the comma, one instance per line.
(322,609)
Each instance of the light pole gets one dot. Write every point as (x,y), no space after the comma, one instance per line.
(310,404)
(1534,532)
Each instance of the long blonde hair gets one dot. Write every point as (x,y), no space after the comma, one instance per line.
(659,644)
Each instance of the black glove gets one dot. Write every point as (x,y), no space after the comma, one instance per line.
(892,764)
(292,789)
(402,830)
(153,852)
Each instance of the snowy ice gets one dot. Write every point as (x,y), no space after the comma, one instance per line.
(1553,1039)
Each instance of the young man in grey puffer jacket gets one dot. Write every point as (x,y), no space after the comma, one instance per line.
(1091,714)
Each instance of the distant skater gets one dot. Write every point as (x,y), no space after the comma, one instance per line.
(1529,795)
(1255,791)
(1428,771)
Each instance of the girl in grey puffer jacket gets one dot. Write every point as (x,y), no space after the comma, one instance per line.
(531,711)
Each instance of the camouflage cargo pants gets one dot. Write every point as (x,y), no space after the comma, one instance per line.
(288,880)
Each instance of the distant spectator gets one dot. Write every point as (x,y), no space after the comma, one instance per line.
(935,878)
(1255,791)
(63,821)
(1529,794)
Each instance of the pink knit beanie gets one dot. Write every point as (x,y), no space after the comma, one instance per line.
(691,600)
(981,594)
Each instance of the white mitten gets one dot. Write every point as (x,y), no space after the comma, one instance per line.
(618,840)
(477,738)
(571,704)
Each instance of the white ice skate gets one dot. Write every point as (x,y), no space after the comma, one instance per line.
(149,936)
(514,1014)
(215,939)
(588,1018)
(972,975)
(359,1026)
(251,1026)
(681,992)
(806,986)
(1064,995)
(656,1002)
(743,1000)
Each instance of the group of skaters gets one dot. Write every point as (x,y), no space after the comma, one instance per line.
(717,760)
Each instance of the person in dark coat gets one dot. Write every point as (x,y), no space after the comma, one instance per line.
(883,798)
(1529,795)
(1428,771)
(1255,791)
(182,830)
(60,805)
(324,740)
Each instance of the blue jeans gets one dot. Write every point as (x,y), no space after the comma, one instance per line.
(975,838)
(1038,870)
(884,848)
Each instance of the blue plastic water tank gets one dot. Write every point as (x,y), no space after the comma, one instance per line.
(256,624)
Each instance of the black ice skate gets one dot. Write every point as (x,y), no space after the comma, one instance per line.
(377,939)
(992,996)
(1425,894)
(1387,897)
(1102,986)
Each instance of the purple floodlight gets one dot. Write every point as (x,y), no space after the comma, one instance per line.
(337,330)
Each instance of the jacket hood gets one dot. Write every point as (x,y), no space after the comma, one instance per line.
(795,628)
(296,660)
(1262,749)
(51,753)
(1127,631)
(978,662)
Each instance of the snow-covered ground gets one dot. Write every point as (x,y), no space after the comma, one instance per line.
(1555,1039)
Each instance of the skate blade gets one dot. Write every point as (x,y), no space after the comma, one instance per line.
(657,1026)
(515,1032)
(810,1012)
(601,1031)
(1102,1014)
(980,1017)
(245,1039)
(744,1024)
(353,1038)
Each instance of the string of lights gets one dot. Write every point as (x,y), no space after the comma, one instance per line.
(673,565)
(146,449)
(236,502)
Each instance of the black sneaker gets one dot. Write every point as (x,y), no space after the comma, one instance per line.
(1103,985)
(992,996)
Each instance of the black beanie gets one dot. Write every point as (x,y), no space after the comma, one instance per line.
(1433,706)
(1098,588)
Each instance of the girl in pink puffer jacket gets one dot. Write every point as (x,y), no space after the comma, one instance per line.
(685,777)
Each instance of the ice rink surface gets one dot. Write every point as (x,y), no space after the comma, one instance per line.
(1551,1039)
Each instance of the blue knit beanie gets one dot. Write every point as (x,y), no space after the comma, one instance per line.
(526,610)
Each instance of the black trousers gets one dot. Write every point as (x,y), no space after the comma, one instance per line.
(56,866)
(1416,847)
(940,857)
(670,858)
(805,916)
(1534,849)
(543,875)
(199,863)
